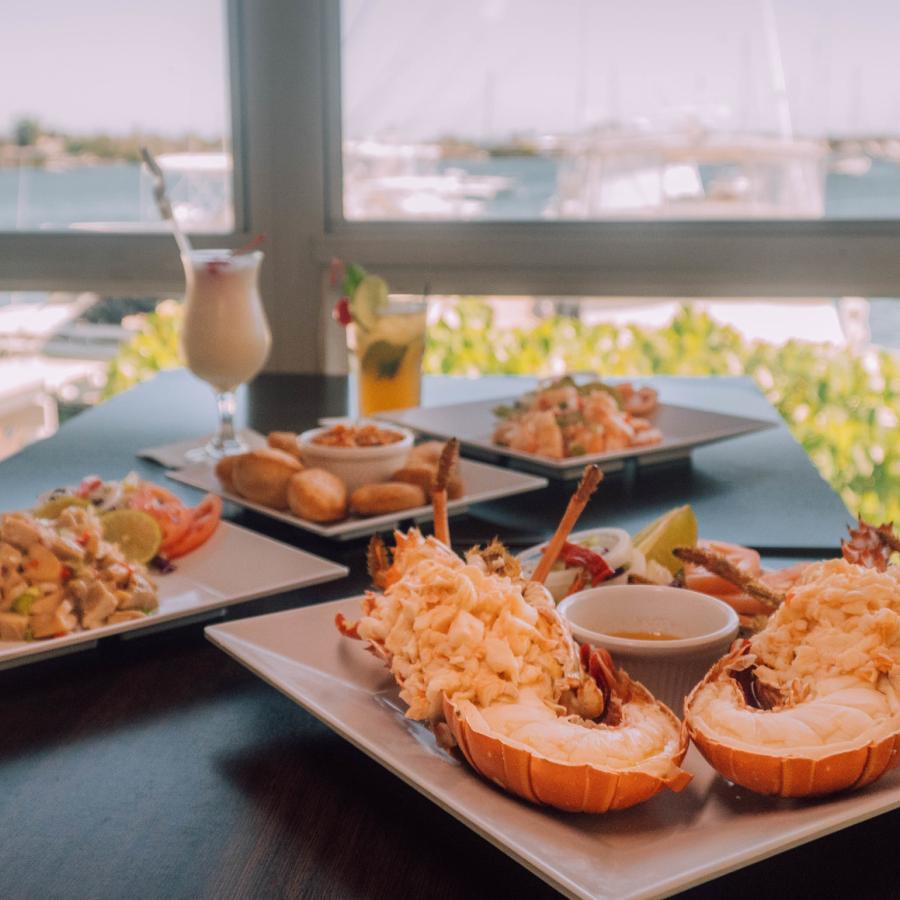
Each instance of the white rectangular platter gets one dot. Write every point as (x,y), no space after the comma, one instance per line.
(232,566)
(682,427)
(670,843)
(482,482)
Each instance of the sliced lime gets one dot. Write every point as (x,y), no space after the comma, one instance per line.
(53,507)
(368,300)
(136,532)
(676,528)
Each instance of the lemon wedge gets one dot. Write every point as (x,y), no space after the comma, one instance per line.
(136,532)
(676,528)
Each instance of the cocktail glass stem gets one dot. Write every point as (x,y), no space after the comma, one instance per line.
(225,441)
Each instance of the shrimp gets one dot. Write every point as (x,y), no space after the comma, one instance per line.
(536,432)
(637,401)
(558,398)
(563,419)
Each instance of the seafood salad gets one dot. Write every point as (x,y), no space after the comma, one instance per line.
(484,657)
(564,419)
(810,704)
(59,575)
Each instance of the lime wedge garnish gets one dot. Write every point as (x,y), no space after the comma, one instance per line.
(136,532)
(676,528)
(52,508)
(368,300)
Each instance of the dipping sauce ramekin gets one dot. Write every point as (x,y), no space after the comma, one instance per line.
(703,629)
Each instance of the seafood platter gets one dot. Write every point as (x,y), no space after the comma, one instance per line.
(105,557)
(460,673)
(564,424)
(344,480)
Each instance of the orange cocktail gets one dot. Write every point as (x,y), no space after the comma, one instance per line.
(387,356)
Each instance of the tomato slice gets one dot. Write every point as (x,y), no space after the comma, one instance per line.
(206,516)
(700,579)
(173,517)
(148,494)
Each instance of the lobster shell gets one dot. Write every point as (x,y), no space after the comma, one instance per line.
(574,787)
(789,774)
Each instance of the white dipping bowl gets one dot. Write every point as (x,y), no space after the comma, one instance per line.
(356,466)
(704,628)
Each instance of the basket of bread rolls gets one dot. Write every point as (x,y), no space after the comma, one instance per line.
(330,474)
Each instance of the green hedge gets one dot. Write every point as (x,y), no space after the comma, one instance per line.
(843,407)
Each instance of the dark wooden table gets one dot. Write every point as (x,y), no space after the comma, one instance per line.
(159,767)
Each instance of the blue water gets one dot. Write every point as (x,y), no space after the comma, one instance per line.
(39,199)
(42,199)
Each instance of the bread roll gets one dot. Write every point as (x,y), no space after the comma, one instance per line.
(428,453)
(225,472)
(424,475)
(263,475)
(386,497)
(285,441)
(418,473)
(317,495)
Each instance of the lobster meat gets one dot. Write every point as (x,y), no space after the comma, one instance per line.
(811,704)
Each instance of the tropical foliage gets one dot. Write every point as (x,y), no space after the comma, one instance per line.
(154,346)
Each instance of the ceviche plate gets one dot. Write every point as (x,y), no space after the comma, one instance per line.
(683,428)
(209,578)
(482,482)
(669,843)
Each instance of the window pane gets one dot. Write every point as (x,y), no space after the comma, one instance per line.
(571,109)
(87,84)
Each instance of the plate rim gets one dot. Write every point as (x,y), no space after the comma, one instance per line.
(358,527)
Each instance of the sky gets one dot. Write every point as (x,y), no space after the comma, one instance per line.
(115,65)
(417,69)
(492,67)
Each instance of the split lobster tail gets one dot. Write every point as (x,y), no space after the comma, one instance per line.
(586,785)
(808,705)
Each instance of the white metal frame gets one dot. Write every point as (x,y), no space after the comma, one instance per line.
(286,130)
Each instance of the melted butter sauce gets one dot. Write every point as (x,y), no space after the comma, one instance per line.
(644,635)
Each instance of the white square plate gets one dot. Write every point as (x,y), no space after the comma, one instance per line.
(482,482)
(232,566)
(682,427)
(670,843)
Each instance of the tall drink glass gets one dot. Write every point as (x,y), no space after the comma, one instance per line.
(225,338)
(386,356)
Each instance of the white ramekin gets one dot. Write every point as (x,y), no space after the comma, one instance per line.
(356,466)
(705,628)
